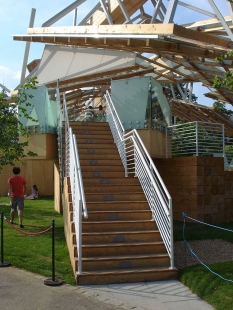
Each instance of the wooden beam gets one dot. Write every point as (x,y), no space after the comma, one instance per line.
(93,76)
(105,81)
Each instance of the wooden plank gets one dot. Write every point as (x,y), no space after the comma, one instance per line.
(93,76)
(200,36)
(117,16)
(155,29)
(105,80)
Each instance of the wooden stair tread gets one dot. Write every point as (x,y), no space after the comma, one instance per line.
(120,211)
(118,222)
(124,257)
(117,202)
(128,270)
(125,244)
(115,193)
(120,232)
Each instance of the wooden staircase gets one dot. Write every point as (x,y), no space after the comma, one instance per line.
(121,242)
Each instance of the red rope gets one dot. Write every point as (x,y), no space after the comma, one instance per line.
(28,233)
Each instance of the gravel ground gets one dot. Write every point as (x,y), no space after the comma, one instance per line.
(209,252)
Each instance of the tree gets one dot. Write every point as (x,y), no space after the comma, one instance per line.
(11,149)
(221,106)
(227,81)
(178,94)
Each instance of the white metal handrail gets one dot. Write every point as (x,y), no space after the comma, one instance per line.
(199,139)
(59,139)
(73,171)
(117,129)
(137,160)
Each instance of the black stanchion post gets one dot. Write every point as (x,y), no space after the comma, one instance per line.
(2,263)
(53,281)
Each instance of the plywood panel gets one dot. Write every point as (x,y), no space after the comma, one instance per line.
(44,145)
(155,142)
(57,191)
(39,172)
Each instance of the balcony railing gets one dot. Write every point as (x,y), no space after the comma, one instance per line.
(199,139)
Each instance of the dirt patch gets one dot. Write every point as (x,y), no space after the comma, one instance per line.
(209,252)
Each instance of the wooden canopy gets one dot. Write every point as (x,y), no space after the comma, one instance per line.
(171,53)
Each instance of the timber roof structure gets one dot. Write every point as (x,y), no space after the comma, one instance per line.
(171,53)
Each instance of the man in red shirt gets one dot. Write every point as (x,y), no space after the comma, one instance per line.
(16,192)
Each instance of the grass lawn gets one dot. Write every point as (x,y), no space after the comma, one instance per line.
(211,288)
(34,252)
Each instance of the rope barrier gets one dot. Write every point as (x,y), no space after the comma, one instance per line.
(26,232)
(184,215)
(194,254)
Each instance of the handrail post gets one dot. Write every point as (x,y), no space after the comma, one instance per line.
(171,235)
(79,241)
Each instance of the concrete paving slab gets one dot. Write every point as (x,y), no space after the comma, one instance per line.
(23,290)
(161,295)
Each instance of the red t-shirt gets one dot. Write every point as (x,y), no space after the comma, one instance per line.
(17,183)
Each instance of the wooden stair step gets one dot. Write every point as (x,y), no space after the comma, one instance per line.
(119,216)
(95,168)
(93,156)
(125,261)
(97,151)
(101,162)
(96,146)
(86,124)
(107,216)
(127,276)
(128,196)
(110,181)
(112,188)
(94,250)
(94,135)
(86,131)
(119,237)
(117,205)
(118,226)
(100,174)
(94,140)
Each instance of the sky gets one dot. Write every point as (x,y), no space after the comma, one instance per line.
(15,16)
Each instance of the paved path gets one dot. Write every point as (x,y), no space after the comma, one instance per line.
(23,290)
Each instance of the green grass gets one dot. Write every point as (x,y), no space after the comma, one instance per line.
(211,288)
(34,252)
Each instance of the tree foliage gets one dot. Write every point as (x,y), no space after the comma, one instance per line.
(178,94)
(221,106)
(11,148)
(227,81)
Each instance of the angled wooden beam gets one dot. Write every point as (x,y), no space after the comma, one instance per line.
(93,76)
(104,81)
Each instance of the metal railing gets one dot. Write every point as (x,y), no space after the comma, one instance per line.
(228,152)
(137,160)
(199,139)
(73,171)
(117,130)
(195,139)
(59,140)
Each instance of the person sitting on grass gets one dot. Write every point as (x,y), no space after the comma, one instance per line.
(34,193)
